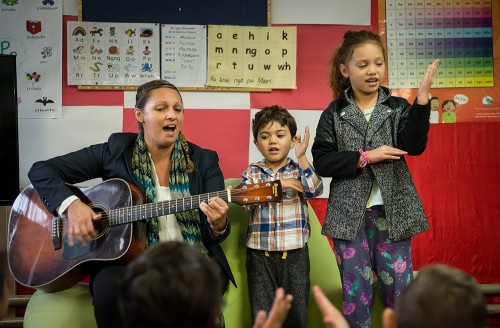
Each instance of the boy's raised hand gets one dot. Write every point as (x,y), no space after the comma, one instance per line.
(301,144)
(425,85)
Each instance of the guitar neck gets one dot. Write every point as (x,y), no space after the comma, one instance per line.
(147,211)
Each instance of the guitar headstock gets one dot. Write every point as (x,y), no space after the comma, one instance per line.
(262,192)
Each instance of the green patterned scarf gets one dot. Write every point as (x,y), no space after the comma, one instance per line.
(189,221)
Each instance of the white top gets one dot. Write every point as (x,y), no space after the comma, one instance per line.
(168,227)
(375,195)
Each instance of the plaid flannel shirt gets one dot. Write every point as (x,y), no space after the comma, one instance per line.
(281,225)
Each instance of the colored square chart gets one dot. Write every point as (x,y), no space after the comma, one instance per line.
(458,32)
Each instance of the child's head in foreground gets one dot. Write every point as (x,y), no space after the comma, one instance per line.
(441,297)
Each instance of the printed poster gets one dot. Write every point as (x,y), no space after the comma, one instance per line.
(123,54)
(460,34)
(184,55)
(252,56)
(32,30)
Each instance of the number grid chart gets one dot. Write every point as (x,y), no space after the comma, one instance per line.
(458,32)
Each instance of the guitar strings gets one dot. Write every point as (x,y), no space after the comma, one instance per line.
(133,213)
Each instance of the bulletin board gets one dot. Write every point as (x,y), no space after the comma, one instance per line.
(462,34)
(193,12)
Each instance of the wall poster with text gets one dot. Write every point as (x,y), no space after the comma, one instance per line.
(460,33)
(32,31)
(252,56)
(124,54)
(184,54)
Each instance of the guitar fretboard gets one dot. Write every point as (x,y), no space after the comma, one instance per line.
(135,213)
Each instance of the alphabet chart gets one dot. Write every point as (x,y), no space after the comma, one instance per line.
(458,32)
(251,56)
(112,53)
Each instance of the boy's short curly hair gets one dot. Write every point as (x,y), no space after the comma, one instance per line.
(273,113)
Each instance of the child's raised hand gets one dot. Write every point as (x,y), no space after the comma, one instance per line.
(332,317)
(277,315)
(425,85)
(301,143)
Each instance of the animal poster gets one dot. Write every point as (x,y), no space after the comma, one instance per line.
(32,31)
(252,56)
(123,54)
(184,55)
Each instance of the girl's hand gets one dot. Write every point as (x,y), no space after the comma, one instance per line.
(301,144)
(425,85)
(382,153)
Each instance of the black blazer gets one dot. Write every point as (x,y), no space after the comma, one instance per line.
(113,160)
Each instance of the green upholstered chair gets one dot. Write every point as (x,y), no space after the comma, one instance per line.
(71,307)
(236,306)
(324,271)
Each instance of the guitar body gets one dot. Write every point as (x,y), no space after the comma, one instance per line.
(40,256)
(33,259)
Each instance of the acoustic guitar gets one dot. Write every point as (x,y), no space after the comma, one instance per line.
(39,255)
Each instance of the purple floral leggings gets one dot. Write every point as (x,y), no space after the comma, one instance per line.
(372,252)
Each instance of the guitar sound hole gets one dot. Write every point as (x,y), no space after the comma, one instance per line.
(101,226)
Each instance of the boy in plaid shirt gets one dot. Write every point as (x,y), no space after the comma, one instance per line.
(277,235)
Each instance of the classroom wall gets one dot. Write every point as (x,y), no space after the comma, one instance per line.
(457,176)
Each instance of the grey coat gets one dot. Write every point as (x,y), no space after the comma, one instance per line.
(342,130)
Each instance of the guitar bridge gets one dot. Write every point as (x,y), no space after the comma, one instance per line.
(57,227)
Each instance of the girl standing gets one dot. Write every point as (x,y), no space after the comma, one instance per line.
(373,207)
